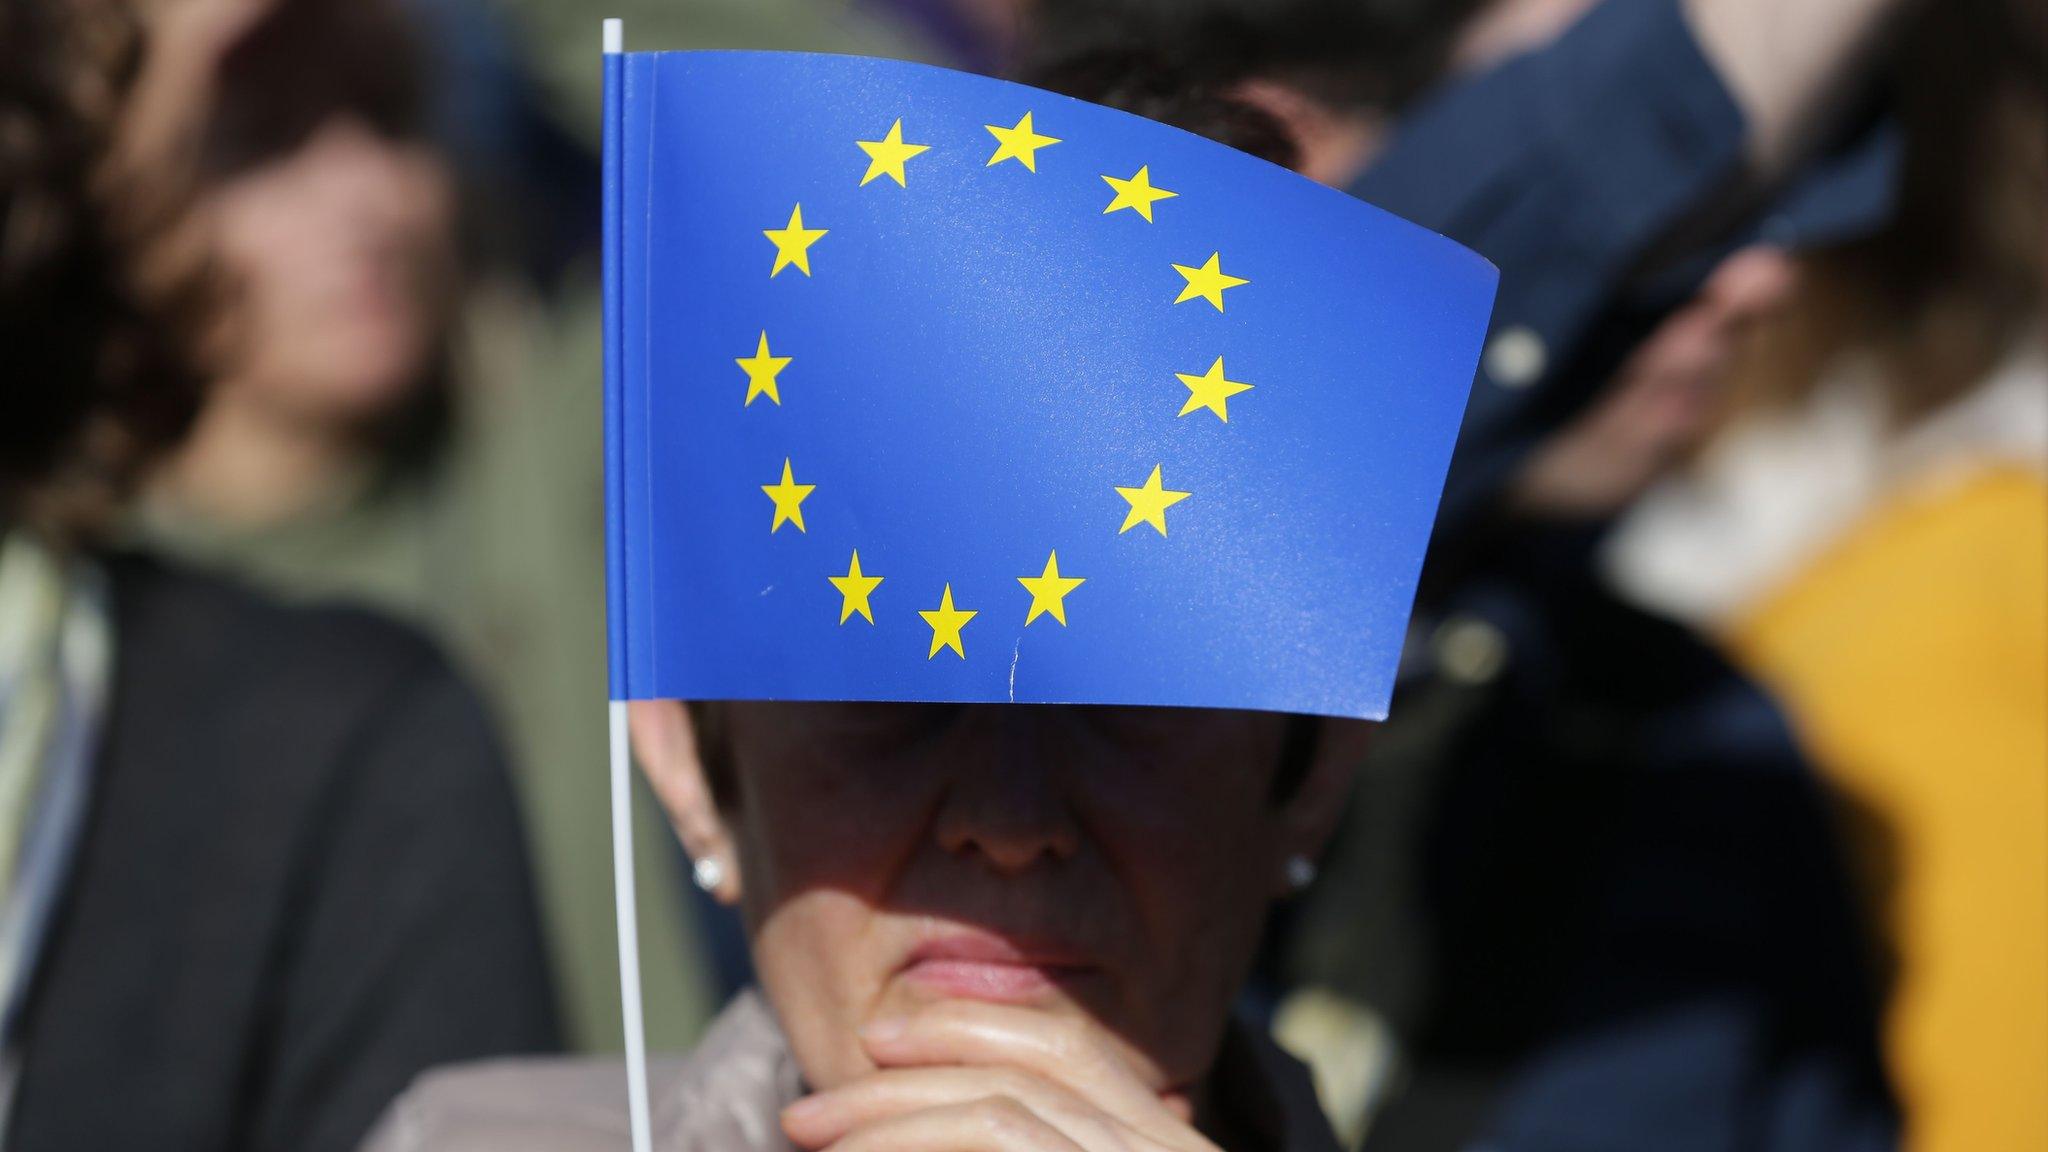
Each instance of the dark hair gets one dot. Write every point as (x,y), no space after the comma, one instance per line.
(1376,54)
(1142,81)
(97,315)
(1957,277)
(305,63)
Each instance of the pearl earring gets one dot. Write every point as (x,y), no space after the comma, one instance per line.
(1301,872)
(708,873)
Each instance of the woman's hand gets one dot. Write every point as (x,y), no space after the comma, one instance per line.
(965,1076)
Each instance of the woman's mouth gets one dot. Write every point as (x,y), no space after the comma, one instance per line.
(986,966)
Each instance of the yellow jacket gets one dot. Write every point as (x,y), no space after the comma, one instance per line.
(1913,656)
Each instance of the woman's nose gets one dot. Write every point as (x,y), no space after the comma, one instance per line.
(1009,816)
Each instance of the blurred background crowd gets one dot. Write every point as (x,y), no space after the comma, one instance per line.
(1714,810)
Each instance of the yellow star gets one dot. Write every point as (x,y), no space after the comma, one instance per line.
(1210,390)
(1049,591)
(1149,504)
(854,589)
(789,499)
(793,244)
(761,370)
(946,623)
(1208,281)
(1020,143)
(887,155)
(1137,193)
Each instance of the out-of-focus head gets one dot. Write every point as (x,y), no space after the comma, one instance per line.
(1113,863)
(1959,274)
(1347,53)
(1333,73)
(1146,82)
(333,217)
(1938,295)
(99,307)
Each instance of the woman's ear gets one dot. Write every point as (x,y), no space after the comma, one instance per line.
(665,744)
(1310,814)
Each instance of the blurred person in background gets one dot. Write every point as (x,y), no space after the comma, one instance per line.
(412,420)
(261,865)
(1868,533)
(402,419)
(1545,924)
(336,224)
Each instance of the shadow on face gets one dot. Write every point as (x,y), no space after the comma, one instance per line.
(1114,864)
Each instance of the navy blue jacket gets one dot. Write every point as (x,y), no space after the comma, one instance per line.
(1641,933)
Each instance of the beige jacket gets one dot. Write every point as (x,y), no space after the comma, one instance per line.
(727,1095)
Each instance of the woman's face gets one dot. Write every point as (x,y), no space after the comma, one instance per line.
(340,252)
(1113,863)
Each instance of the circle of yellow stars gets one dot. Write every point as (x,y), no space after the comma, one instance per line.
(889,158)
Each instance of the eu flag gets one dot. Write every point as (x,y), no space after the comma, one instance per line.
(923,386)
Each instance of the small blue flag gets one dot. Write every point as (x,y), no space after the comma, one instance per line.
(923,386)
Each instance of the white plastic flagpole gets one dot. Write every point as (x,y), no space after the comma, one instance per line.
(623,890)
(629,930)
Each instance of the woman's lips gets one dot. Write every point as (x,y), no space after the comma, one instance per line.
(983,966)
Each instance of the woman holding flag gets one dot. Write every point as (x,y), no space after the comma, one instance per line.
(1003,859)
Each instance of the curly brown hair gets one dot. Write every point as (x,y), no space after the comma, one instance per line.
(98,315)
(1959,274)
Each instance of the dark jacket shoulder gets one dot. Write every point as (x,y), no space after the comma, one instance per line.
(331,659)
(301,882)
